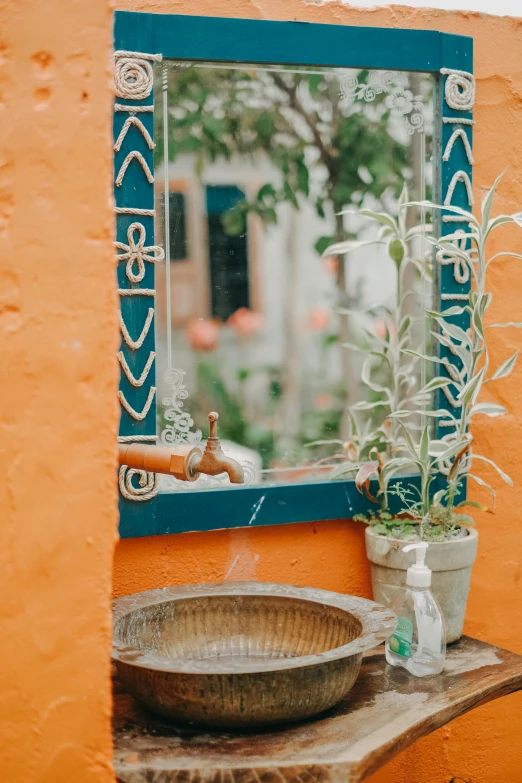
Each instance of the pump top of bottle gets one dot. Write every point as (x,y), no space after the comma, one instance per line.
(418,575)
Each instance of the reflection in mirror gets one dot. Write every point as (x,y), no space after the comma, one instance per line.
(260,173)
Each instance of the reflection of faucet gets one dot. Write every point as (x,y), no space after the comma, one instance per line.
(183,462)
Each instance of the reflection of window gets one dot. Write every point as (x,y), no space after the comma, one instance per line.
(177,225)
(228,254)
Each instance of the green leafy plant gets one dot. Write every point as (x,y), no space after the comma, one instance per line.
(439,514)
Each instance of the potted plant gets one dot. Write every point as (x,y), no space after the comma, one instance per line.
(431,508)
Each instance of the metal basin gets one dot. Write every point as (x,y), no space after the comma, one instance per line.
(244,654)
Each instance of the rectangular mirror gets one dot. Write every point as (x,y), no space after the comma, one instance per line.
(272,163)
(266,168)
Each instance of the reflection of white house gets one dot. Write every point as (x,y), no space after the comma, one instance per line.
(285,280)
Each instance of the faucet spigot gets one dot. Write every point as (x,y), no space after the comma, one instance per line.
(183,462)
(214,461)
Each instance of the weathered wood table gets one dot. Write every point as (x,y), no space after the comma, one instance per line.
(385,712)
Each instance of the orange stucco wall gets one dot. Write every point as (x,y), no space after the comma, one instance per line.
(482,746)
(58,415)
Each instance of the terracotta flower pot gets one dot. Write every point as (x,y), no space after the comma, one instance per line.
(450,562)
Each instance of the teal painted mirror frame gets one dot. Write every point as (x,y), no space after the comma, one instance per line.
(140,39)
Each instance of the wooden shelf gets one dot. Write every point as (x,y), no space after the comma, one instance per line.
(385,712)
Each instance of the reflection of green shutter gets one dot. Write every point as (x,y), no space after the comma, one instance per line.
(228,254)
(177,225)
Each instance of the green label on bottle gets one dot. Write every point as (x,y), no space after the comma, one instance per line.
(400,642)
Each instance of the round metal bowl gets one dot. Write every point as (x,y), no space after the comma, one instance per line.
(244,654)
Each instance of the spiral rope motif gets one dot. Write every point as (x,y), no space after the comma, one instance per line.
(148,484)
(459,89)
(133,75)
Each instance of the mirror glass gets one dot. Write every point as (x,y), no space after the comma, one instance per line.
(259,171)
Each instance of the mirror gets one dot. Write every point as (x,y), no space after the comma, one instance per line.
(260,171)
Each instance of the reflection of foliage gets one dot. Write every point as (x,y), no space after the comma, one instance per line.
(299,122)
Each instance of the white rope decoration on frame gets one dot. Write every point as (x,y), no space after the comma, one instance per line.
(459,89)
(133,109)
(454,297)
(450,398)
(454,219)
(131,411)
(137,291)
(125,165)
(135,344)
(137,382)
(137,253)
(458,132)
(459,176)
(134,78)
(137,438)
(445,257)
(148,484)
(449,423)
(133,74)
(134,211)
(129,122)
(457,121)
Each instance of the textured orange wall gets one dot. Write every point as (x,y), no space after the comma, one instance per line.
(58,415)
(481,746)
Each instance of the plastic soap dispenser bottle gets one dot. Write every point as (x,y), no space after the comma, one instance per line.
(419,642)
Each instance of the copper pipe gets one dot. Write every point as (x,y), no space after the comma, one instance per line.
(176,461)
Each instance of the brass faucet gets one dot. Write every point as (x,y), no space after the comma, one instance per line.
(185,463)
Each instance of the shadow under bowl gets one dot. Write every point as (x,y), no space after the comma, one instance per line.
(245,654)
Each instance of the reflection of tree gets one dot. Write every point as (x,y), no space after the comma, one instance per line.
(333,150)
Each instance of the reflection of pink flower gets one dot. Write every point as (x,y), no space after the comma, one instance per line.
(202,334)
(323,401)
(245,322)
(379,328)
(330,265)
(318,319)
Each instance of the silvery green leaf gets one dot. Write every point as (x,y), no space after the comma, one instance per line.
(422,228)
(347,246)
(487,201)
(477,322)
(404,197)
(454,331)
(435,383)
(470,391)
(452,450)
(366,379)
(503,254)
(470,217)
(363,405)
(332,442)
(455,310)
(515,325)
(438,496)
(483,301)
(501,220)
(408,439)
(424,444)
(482,483)
(494,465)
(437,447)
(505,368)
(462,352)
(488,409)
(410,352)
(342,470)
(404,325)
